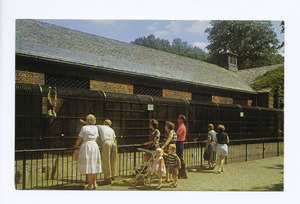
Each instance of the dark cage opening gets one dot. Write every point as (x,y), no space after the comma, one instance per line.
(151,91)
(66,81)
(201,97)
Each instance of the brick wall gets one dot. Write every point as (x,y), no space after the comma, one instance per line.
(249,102)
(176,94)
(29,77)
(111,87)
(220,99)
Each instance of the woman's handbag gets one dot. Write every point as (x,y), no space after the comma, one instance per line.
(205,155)
(76,155)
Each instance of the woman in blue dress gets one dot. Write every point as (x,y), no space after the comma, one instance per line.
(210,146)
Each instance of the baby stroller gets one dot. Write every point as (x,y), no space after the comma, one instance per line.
(142,172)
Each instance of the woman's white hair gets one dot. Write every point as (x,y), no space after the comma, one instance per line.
(107,122)
(91,119)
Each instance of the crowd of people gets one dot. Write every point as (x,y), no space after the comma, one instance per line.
(168,158)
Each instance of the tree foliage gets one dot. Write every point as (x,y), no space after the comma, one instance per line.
(282,31)
(273,80)
(177,46)
(255,42)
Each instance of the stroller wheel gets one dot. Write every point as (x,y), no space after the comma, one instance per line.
(133,181)
(148,181)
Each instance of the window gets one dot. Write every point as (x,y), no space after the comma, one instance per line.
(201,97)
(147,91)
(232,60)
(66,81)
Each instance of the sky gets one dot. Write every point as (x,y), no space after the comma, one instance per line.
(189,31)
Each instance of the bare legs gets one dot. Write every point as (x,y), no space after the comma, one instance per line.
(221,159)
(212,164)
(168,176)
(175,178)
(159,174)
(91,181)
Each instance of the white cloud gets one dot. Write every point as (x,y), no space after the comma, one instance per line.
(152,27)
(201,45)
(174,26)
(156,29)
(161,33)
(198,27)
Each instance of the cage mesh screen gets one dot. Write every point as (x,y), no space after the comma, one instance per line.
(201,97)
(147,91)
(67,81)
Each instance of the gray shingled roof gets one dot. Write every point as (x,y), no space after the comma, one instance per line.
(248,75)
(45,40)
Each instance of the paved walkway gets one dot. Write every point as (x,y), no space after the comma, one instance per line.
(258,175)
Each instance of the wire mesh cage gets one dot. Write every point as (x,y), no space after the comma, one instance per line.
(201,97)
(66,81)
(151,91)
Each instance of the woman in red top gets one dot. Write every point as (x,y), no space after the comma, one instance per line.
(181,135)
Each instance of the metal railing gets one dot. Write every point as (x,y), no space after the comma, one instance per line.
(41,168)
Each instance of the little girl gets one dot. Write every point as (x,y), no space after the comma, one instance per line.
(158,166)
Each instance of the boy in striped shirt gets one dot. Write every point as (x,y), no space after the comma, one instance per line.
(172,164)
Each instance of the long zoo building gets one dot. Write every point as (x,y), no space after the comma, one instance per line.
(129,84)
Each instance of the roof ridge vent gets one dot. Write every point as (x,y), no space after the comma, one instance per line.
(228,60)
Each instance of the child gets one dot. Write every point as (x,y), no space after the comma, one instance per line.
(158,166)
(144,164)
(170,138)
(173,164)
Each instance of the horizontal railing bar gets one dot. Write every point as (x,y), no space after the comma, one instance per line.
(124,110)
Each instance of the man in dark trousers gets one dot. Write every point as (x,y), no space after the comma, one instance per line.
(181,134)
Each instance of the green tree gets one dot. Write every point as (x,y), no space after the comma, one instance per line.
(178,46)
(255,42)
(273,80)
(282,31)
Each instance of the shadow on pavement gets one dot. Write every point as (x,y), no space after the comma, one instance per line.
(203,169)
(278,166)
(274,187)
(63,187)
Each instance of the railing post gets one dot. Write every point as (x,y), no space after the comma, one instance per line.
(201,154)
(246,151)
(134,156)
(24,170)
(277,147)
(263,149)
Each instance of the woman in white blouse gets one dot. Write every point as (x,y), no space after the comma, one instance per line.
(89,161)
